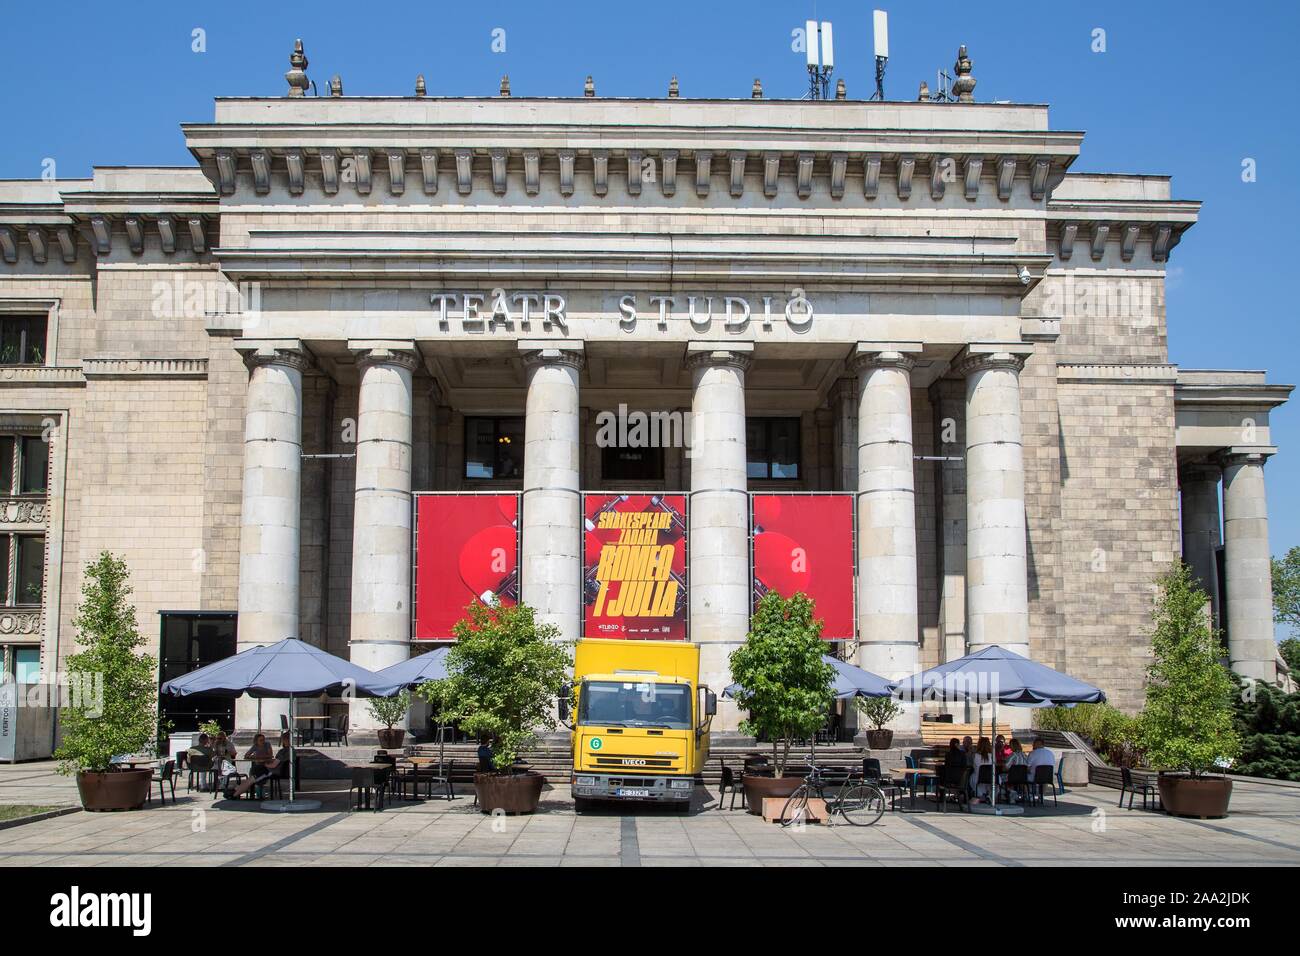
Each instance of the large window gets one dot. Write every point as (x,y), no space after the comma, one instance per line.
(772,447)
(494,448)
(631,464)
(22,662)
(22,340)
(24,465)
(22,569)
(190,640)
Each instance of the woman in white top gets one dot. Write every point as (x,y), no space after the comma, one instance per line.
(983,758)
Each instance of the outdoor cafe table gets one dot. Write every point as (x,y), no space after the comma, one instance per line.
(915,772)
(306,730)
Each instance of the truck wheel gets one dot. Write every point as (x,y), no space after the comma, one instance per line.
(683,807)
(581,805)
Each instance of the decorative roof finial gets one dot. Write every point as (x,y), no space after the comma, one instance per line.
(505,85)
(297,75)
(756,92)
(419,85)
(841,91)
(336,85)
(589,88)
(672,88)
(923,95)
(964,85)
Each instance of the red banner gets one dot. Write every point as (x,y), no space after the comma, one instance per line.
(634,566)
(805,543)
(467,547)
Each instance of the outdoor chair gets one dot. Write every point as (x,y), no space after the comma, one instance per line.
(367,783)
(439,777)
(164,777)
(1017,781)
(984,779)
(1044,775)
(201,768)
(272,786)
(1134,788)
(731,783)
(953,784)
(339,734)
(871,769)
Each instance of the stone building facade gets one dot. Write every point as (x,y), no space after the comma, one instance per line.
(238,373)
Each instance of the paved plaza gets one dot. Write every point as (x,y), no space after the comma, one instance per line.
(1086,829)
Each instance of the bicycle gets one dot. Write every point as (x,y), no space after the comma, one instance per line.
(859,802)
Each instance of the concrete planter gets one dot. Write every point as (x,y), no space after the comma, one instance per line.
(120,790)
(758,789)
(509,793)
(1200,797)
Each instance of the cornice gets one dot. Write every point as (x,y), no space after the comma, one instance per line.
(1106,374)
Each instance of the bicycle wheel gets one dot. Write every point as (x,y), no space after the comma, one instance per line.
(796,808)
(861,804)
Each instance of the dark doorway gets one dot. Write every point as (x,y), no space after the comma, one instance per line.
(190,640)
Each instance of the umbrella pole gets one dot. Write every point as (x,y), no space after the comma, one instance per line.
(292,727)
(994,775)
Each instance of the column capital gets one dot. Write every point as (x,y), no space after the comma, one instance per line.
(537,352)
(1199,471)
(734,354)
(1246,455)
(980,356)
(900,355)
(369,352)
(261,352)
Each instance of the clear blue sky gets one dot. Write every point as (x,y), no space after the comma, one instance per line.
(1188,89)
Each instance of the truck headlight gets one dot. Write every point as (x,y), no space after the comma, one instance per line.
(585,782)
(681,784)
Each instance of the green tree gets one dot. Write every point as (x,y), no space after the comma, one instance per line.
(1286,590)
(1290,650)
(114,706)
(503,675)
(785,684)
(1187,723)
(1268,721)
(390,711)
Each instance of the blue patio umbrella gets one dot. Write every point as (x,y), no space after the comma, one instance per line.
(289,668)
(849,681)
(417,670)
(998,676)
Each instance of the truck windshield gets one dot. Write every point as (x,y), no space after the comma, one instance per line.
(635,704)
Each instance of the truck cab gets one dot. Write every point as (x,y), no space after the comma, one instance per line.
(640,721)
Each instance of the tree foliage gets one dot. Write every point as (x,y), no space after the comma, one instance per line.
(1286,590)
(1112,733)
(1187,722)
(878,710)
(1268,721)
(785,684)
(114,705)
(503,675)
(390,711)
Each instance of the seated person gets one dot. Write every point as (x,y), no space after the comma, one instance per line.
(1017,757)
(1040,756)
(203,748)
(954,756)
(223,757)
(262,769)
(983,757)
(1001,749)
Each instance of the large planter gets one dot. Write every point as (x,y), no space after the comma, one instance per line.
(1200,797)
(391,739)
(757,788)
(119,790)
(880,739)
(509,793)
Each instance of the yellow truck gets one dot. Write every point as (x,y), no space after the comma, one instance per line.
(640,721)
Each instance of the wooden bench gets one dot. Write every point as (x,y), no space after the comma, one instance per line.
(935,734)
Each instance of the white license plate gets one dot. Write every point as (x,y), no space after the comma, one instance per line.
(632,792)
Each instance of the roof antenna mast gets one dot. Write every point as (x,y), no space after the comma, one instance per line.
(819,68)
(880,28)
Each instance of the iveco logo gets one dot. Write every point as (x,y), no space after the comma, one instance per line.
(628,761)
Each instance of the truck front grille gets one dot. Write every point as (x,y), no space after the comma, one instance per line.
(634,762)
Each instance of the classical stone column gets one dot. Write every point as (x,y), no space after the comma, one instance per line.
(887,595)
(269,517)
(719,513)
(1198,485)
(844,407)
(380,628)
(1252,651)
(997,587)
(551,568)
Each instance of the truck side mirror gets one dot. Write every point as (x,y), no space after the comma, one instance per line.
(566,695)
(710,703)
